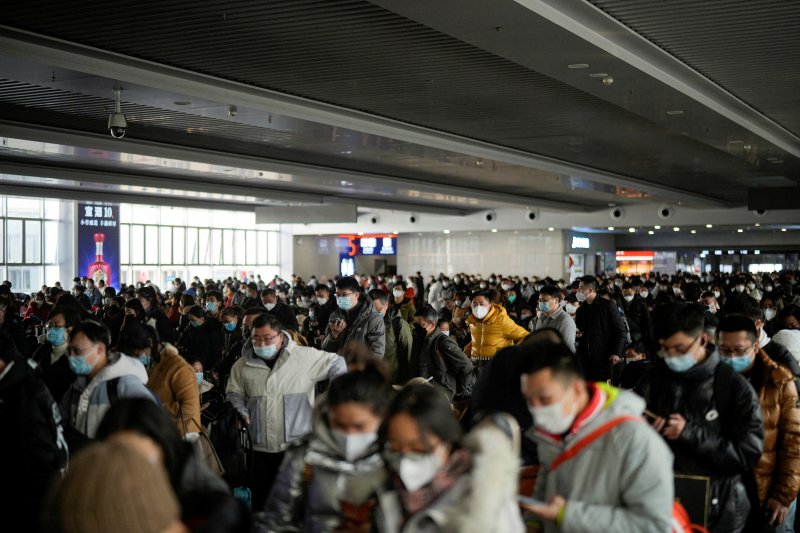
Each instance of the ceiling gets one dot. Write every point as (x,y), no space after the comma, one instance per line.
(449,108)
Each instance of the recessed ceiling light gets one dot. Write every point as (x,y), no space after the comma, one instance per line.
(709,226)
(632,230)
(693,231)
(740,230)
(783,229)
(360,233)
(446,231)
(676,228)
(674,112)
(494,230)
(551,229)
(395,232)
(611,228)
(758,224)
(598,75)
(578,65)
(651,232)
(657,227)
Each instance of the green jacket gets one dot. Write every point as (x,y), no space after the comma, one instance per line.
(398,349)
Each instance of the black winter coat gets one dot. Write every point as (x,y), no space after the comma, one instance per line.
(203,343)
(724,448)
(159,320)
(602,329)
(440,358)
(285,315)
(32,446)
(638,318)
(57,376)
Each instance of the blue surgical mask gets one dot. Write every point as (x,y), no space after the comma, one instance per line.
(544,307)
(267,352)
(145,359)
(211,307)
(345,303)
(230,326)
(679,363)
(512,298)
(740,363)
(79,364)
(199,377)
(56,336)
(196,323)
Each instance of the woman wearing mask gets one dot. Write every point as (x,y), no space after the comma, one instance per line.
(436,483)
(202,339)
(232,341)
(329,480)
(170,378)
(401,303)
(491,328)
(772,305)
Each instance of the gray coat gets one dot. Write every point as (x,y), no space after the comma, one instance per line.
(622,482)
(364,325)
(315,479)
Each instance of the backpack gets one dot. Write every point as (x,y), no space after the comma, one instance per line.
(231,441)
(680,518)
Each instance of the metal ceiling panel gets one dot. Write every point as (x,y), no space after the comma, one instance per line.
(750,48)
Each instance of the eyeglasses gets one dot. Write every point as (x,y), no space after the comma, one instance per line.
(269,340)
(736,353)
(344,294)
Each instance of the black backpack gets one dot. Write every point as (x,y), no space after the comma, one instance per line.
(231,441)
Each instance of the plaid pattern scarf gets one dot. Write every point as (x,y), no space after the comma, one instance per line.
(459,463)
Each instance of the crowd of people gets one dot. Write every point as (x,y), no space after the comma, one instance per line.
(383,403)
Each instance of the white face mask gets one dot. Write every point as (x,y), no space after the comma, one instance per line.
(445,333)
(354,445)
(322,301)
(398,294)
(580,296)
(751,285)
(551,418)
(270,307)
(480,312)
(628,298)
(570,309)
(716,294)
(769,314)
(643,294)
(416,471)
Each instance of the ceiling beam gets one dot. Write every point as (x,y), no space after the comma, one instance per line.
(82,58)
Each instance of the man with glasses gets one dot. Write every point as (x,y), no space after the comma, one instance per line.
(355,321)
(777,474)
(550,315)
(272,387)
(708,413)
(602,329)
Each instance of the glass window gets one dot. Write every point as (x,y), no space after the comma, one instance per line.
(205,246)
(239,247)
(2,239)
(262,247)
(52,209)
(33,241)
(174,216)
(192,253)
(51,273)
(166,245)
(151,245)
(145,214)
(137,244)
(24,207)
(14,241)
(250,245)
(124,244)
(273,247)
(125,214)
(50,242)
(245,219)
(198,217)
(228,246)
(25,278)
(178,246)
(216,248)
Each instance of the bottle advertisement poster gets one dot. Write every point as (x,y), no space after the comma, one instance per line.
(98,242)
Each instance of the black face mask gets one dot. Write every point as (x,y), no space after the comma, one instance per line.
(419,331)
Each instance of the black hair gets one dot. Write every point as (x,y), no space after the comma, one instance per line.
(742,304)
(400,283)
(322,287)
(268,292)
(348,283)
(675,317)
(196,311)
(255,310)
(135,336)
(377,294)
(234,310)
(71,316)
(137,307)
(789,310)
(485,293)
(214,294)
(550,290)
(429,408)
(428,313)
(151,420)
(266,320)
(707,294)
(368,385)
(626,286)
(546,354)
(736,323)
(589,282)
(94,331)
(109,292)
(187,300)
(442,321)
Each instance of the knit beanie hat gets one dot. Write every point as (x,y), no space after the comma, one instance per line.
(789,339)
(110,487)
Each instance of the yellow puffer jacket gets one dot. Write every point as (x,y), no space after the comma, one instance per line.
(496,331)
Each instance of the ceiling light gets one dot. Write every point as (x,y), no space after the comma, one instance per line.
(632,230)
(551,229)
(783,229)
(709,226)
(395,232)
(757,224)
(494,230)
(657,227)
(578,65)
(447,231)
(674,112)
(360,233)
(181,102)
(651,232)
(740,230)
(694,231)
(598,75)
(676,228)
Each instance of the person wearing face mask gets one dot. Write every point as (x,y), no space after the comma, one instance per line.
(435,293)
(397,353)
(402,304)
(277,308)
(439,356)
(272,386)
(154,316)
(202,339)
(708,414)
(592,431)
(214,304)
(552,316)
(777,474)
(771,304)
(328,481)
(232,341)
(441,482)
(356,321)
(102,376)
(51,356)
(603,331)
(170,377)
(491,328)
(39,307)
(327,306)
(252,295)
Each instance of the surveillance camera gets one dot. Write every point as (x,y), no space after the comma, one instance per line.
(232,111)
(117,125)
(532,215)
(608,81)
(374,219)
(759,212)
(412,219)
(617,213)
(665,212)
(489,217)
